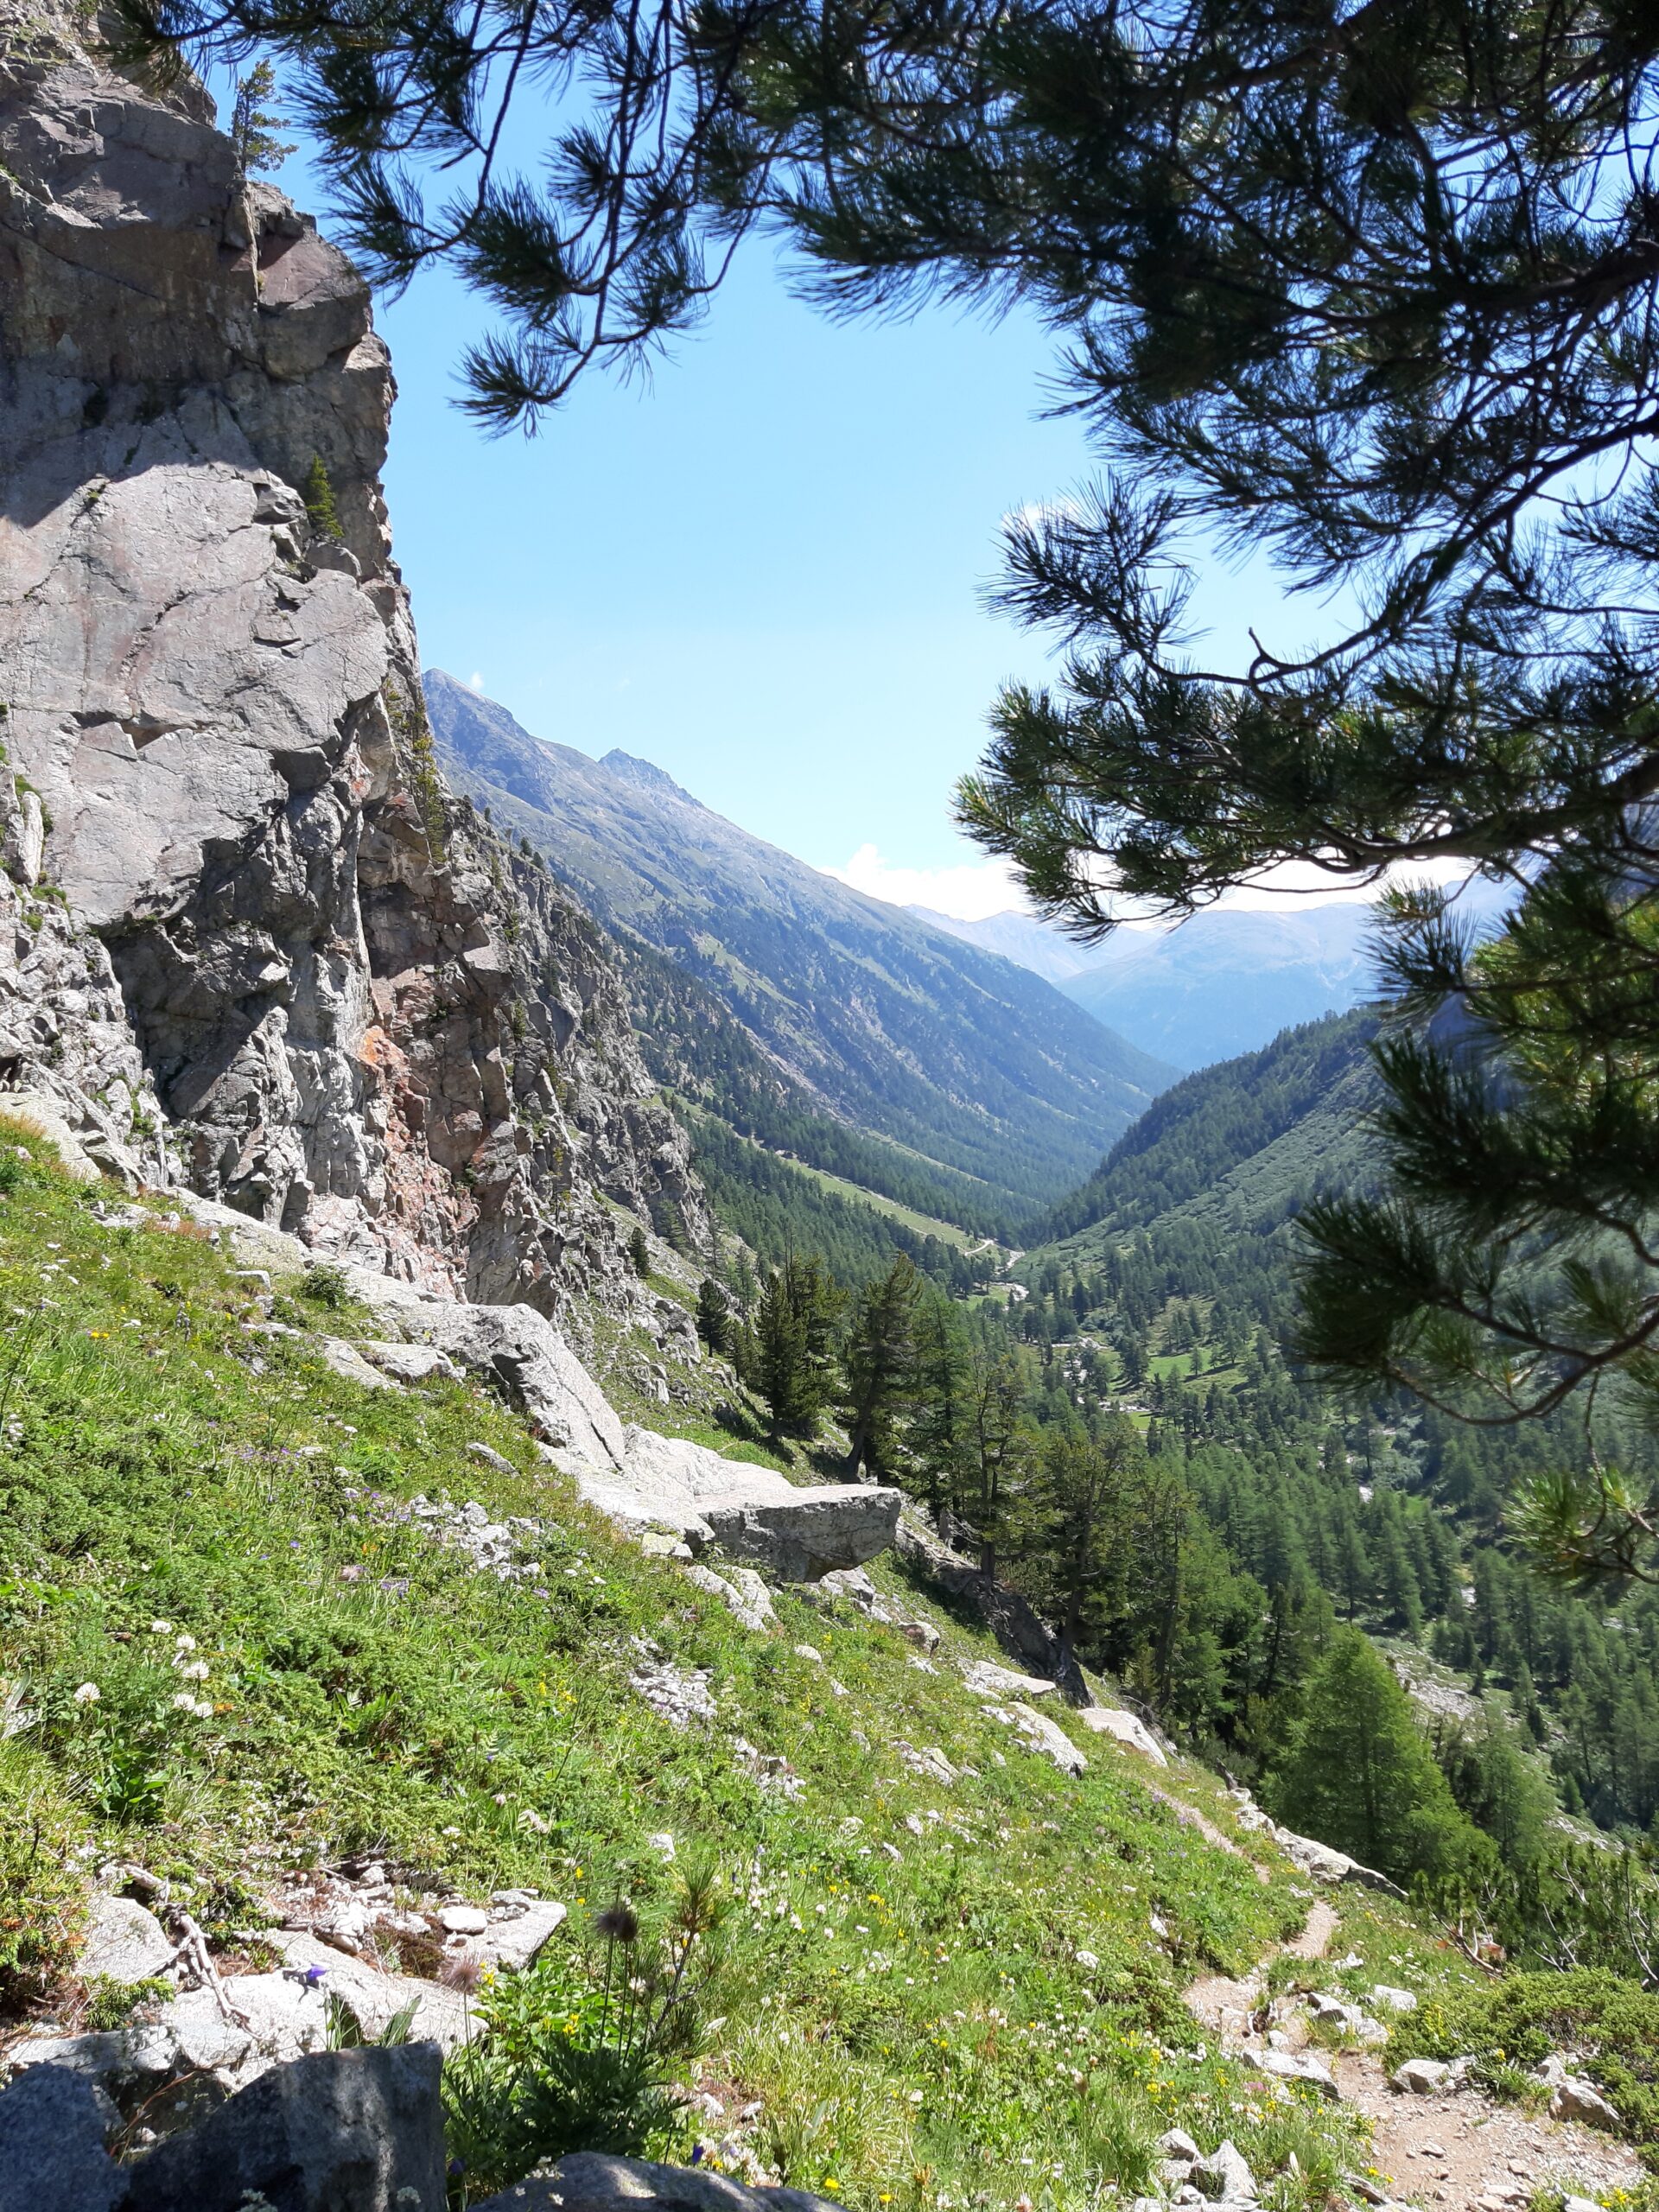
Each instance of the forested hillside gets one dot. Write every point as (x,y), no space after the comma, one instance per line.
(1246,1139)
(1171,1289)
(1127,1438)
(989,1093)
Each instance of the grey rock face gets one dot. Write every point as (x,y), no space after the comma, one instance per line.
(364,1019)
(1017,1628)
(52,2125)
(592,2181)
(750,1513)
(362,2129)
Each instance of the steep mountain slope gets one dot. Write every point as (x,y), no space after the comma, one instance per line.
(1244,1140)
(946,1935)
(357,1015)
(968,1064)
(1222,983)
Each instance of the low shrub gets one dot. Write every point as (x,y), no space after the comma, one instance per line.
(1610,2024)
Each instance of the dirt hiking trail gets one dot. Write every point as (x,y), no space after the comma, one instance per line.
(1460,2149)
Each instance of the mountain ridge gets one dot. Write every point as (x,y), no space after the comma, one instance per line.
(1221,983)
(956,1055)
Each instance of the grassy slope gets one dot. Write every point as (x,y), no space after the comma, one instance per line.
(915,2013)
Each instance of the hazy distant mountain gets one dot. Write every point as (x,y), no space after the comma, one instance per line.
(973,1073)
(1226,983)
(1038,945)
(1222,983)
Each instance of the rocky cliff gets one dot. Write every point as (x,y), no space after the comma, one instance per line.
(363,1018)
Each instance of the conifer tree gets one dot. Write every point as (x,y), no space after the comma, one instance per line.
(879,1360)
(713,1317)
(1360,1776)
(319,495)
(794,1344)
(639,1251)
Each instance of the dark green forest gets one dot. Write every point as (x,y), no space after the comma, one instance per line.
(1122,1433)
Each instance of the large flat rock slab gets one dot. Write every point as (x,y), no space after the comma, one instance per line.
(750,1513)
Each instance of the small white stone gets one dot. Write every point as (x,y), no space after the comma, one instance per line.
(463,1920)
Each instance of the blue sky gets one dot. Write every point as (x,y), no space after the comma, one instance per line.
(762,569)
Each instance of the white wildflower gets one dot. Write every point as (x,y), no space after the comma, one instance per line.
(184,1702)
(184,1644)
(88,1694)
(160,1628)
(197,1671)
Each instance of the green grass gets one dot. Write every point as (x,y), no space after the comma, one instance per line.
(188,1511)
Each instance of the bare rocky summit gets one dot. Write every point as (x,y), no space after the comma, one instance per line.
(348,1009)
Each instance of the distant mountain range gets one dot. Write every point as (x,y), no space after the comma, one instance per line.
(868,1042)
(1225,982)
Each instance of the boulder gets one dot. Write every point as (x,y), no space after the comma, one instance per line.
(1301,2068)
(751,1513)
(124,1942)
(349,1363)
(277,2016)
(741,1589)
(592,2181)
(796,1538)
(521,1351)
(1126,1728)
(1576,2099)
(411,1363)
(373,1998)
(1228,2169)
(984,1678)
(357,2129)
(1427,2077)
(514,1937)
(124,2064)
(54,2125)
(1386,1999)
(1327,1864)
(1041,1734)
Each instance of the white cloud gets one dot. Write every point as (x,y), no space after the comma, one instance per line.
(975,890)
(970,892)
(475,682)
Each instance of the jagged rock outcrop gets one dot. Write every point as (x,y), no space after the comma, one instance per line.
(364,1019)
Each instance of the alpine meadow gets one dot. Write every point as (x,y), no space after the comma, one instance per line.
(686,1530)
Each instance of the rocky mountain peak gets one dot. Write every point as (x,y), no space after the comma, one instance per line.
(629,768)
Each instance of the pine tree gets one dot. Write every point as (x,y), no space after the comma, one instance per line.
(254,144)
(879,1360)
(1074,1519)
(318,496)
(1360,1778)
(639,1251)
(713,1317)
(794,1344)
